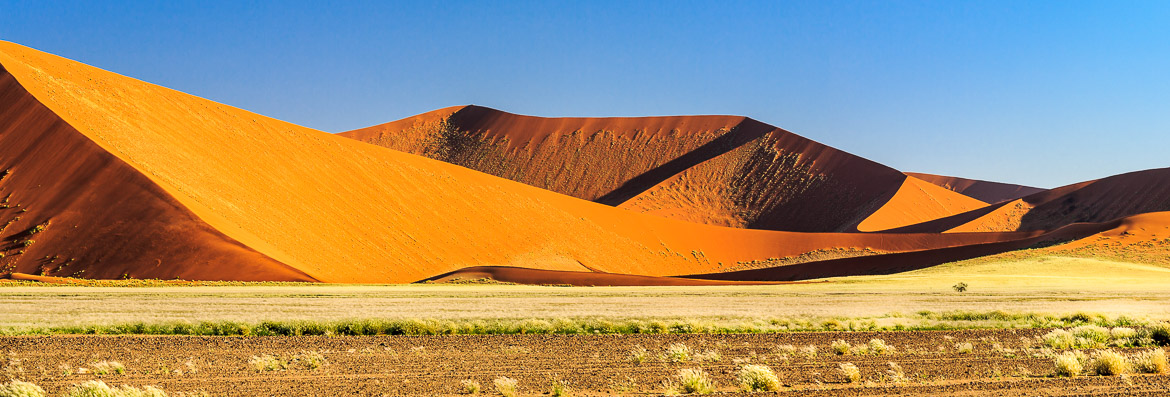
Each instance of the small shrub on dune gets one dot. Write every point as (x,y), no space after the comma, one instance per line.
(693,381)
(506,386)
(757,378)
(678,353)
(1059,339)
(840,347)
(1150,362)
(18,388)
(1067,364)
(851,372)
(638,354)
(469,386)
(108,367)
(879,347)
(1108,363)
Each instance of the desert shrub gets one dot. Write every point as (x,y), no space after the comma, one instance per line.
(678,353)
(757,378)
(108,367)
(709,355)
(1059,339)
(309,359)
(1108,362)
(840,347)
(895,373)
(1067,364)
(638,354)
(1160,334)
(960,287)
(559,389)
(18,388)
(693,381)
(964,347)
(1150,362)
(267,363)
(851,372)
(878,346)
(1090,336)
(506,386)
(93,388)
(469,386)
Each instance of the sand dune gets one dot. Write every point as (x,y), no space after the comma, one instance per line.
(105,176)
(719,170)
(990,192)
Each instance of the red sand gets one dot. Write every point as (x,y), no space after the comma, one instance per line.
(990,192)
(133,179)
(719,170)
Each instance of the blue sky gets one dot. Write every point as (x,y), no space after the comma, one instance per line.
(1039,93)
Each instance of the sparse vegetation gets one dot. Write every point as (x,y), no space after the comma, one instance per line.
(755,377)
(1108,363)
(840,347)
(678,353)
(638,354)
(108,367)
(1150,362)
(97,388)
(267,363)
(17,388)
(691,381)
(709,356)
(469,386)
(1068,364)
(879,347)
(309,359)
(964,347)
(960,287)
(851,372)
(506,386)
(559,389)
(895,372)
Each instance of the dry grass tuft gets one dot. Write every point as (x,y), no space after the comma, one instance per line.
(506,386)
(1150,362)
(18,388)
(850,371)
(1108,363)
(678,353)
(754,377)
(469,386)
(1068,364)
(840,347)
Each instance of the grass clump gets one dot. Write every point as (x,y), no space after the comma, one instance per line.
(1068,364)
(1059,339)
(709,355)
(469,386)
(559,389)
(895,373)
(754,377)
(97,388)
(267,362)
(108,367)
(1091,336)
(964,347)
(1109,363)
(310,360)
(851,372)
(506,386)
(17,388)
(1150,362)
(678,353)
(638,354)
(840,347)
(879,347)
(691,381)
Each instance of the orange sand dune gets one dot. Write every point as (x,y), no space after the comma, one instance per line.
(138,180)
(990,192)
(915,202)
(520,275)
(719,170)
(1093,201)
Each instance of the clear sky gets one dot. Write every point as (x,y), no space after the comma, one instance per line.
(1034,92)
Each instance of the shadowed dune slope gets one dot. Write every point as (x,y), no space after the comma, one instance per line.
(719,170)
(101,218)
(989,192)
(1099,200)
(215,192)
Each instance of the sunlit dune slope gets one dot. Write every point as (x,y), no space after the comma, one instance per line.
(146,181)
(718,170)
(989,192)
(1093,201)
(918,201)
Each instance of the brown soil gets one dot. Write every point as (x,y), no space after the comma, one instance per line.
(589,364)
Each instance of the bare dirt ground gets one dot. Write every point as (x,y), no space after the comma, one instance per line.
(1003,362)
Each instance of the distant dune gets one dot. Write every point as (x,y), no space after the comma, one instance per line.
(990,192)
(103,176)
(719,170)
